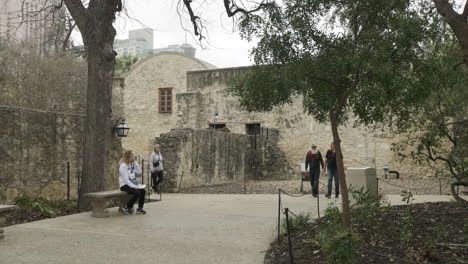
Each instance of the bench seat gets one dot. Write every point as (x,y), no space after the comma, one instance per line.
(99,201)
(4,209)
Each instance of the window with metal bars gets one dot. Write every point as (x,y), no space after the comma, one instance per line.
(165,100)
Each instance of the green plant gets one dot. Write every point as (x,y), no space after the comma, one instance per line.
(407,196)
(329,224)
(406,233)
(296,222)
(343,248)
(45,206)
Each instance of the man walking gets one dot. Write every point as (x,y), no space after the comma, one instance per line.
(313,161)
(330,165)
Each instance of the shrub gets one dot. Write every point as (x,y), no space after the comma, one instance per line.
(343,248)
(296,222)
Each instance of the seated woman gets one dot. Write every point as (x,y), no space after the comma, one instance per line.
(128,183)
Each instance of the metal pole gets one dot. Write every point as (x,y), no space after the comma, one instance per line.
(68,181)
(279,213)
(148,186)
(78,187)
(318,204)
(377,187)
(291,259)
(142,171)
(440,186)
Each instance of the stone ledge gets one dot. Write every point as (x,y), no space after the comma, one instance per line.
(7,208)
(105,194)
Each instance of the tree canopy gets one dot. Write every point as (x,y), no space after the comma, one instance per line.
(344,58)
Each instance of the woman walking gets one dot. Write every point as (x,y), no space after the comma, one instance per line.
(156,166)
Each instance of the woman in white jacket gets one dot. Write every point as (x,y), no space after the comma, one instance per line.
(127,169)
(156,166)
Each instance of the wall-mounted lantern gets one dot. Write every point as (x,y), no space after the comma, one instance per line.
(122,129)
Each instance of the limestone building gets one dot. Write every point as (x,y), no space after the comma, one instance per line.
(171,90)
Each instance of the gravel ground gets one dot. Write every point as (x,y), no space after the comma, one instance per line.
(386,186)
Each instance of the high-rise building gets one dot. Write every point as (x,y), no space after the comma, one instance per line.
(138,44)
(30,21)
(187,49)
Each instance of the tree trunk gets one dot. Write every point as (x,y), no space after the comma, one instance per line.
(455,195)
(341,174)
(98,130)
(457,22)
(96,27)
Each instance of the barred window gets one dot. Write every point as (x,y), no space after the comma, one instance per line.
(165,100)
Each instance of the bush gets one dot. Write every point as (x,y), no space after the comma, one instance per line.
(296,222)
(43,205)
(343,248)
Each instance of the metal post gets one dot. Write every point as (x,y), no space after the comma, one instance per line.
(68,181)
(279,213)
(142,171)
(291,259)
(78,187)
(440,186)
(377,186)
(148,186)
(318,203)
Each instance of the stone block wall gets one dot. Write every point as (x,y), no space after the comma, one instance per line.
(35,147)
(194,157)
(362,147)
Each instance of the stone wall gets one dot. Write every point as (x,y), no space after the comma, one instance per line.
(194,157)
(362,147)
(35,147)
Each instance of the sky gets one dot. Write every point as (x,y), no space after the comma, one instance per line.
(223,47)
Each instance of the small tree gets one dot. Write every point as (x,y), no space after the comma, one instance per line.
(438,134)
(123,65)
(342,57)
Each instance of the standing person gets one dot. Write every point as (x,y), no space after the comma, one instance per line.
(313,161)
(156,166)
(332,171)
(128,183)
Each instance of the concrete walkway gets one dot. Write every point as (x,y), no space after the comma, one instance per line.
(183,228)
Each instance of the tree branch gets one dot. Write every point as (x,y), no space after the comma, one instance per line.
(78,12)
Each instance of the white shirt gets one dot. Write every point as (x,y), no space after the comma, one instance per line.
(154,158)
(128,171)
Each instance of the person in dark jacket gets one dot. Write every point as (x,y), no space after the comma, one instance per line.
(313,161)
(332,172)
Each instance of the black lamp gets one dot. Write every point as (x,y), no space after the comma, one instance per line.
(122,129)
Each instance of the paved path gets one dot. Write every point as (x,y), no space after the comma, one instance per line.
(184,228)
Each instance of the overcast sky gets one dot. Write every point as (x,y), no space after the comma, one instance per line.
(223,48)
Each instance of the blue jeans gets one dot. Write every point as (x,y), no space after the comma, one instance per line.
(314,179)
(333,174)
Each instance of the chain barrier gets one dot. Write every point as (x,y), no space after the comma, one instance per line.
(408,188)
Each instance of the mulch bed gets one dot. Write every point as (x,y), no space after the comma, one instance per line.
(30,215)
(426,236)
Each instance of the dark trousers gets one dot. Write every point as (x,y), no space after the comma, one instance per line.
(157,177)
(137,194)
(314,179)
(333,175)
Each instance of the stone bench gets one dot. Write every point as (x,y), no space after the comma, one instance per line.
(99,201)
(4,209)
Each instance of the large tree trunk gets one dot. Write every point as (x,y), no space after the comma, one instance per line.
(98,131)
(95,25)
(458,23)
(341,174)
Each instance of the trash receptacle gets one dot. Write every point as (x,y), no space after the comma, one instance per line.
(365,178)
